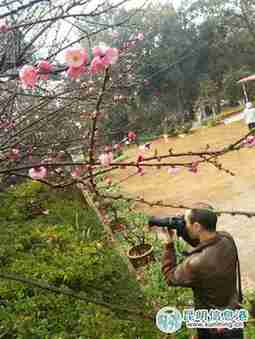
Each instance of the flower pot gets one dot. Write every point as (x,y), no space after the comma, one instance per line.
(141,255)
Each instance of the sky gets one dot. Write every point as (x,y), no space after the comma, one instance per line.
(137,3)
(73,34)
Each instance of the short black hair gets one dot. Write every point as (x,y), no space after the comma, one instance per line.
(205,216)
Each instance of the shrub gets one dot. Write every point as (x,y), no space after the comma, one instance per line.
(65,248)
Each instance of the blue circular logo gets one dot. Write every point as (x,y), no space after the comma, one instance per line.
(169,319)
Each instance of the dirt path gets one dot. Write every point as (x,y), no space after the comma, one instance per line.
(243,230)
(209,185)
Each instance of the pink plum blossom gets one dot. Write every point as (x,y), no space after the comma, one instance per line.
(131,136)
(111,56)
(250,139)
(38,172)
(146,82)
(194,167)
(243,143)
(140,36)
(96,65)
(75,72)
(14,154)
(45,68)
(12,124)
(127,44)
(106,159)
(28,76)
(100,50)
(3,26)
(251,143)
(140,159)
(117,147)
(108,55)
(140,171)
(76,57)
(107,149)
(76,173)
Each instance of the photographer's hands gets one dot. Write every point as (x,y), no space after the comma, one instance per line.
(167,228)
(166,235)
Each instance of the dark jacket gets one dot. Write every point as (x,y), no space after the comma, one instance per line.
(210,270)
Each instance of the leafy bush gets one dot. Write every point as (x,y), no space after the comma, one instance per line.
(212,122)
(65,248)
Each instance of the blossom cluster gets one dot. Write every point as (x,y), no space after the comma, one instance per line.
(76,60)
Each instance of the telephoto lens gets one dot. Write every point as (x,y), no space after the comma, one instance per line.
(177,223)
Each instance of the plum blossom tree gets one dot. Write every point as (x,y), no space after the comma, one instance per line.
(53,104)
(56,99)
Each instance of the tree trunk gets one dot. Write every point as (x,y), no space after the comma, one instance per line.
(219,89)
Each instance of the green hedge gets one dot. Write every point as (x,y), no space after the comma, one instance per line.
(64,247)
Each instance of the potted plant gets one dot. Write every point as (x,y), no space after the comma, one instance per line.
(141,252)
(130,226)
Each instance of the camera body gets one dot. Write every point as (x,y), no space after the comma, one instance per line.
(176,223)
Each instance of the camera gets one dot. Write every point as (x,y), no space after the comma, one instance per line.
(177,223)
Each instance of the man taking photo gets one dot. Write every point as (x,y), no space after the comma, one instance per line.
(211,269)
